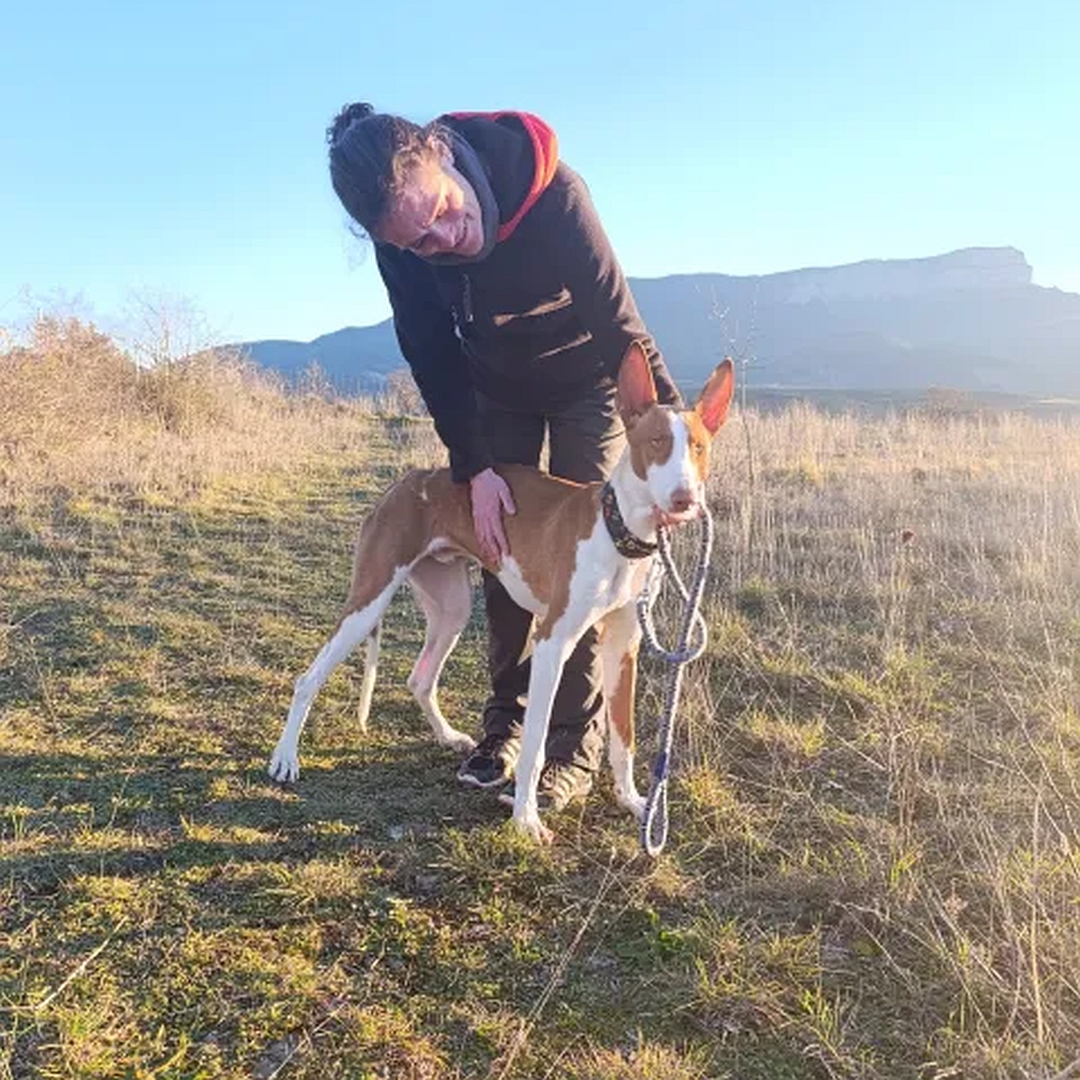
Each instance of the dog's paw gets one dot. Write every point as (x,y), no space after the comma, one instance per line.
(633,802)
(532,826)
(459,742)
(284,766)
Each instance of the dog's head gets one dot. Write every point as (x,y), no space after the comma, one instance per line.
(669,447)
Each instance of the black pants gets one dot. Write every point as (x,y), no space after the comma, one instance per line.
(585,440)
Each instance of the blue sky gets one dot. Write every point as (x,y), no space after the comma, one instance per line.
(177,149)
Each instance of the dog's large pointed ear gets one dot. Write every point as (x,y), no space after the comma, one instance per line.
(712,405)
(637,390)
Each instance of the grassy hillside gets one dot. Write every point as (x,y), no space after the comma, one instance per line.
(873,870)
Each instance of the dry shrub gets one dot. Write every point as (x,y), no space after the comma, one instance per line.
(401,396)
(80,416)
(68,372)
(207,391)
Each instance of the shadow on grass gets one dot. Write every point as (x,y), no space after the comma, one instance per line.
(66,815)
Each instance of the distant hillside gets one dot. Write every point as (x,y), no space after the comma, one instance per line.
(969,320)
(356,358)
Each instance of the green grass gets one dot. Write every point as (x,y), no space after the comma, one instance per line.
(872,871)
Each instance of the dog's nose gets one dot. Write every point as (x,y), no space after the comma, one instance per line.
(681,501)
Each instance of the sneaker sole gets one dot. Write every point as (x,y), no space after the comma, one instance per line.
(471,781)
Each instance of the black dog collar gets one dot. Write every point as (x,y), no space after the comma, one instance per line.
(626,543)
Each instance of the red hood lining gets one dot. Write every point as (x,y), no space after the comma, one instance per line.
(545,154)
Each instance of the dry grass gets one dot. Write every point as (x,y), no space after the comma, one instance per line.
(873,870)
(80,417)
(896,674)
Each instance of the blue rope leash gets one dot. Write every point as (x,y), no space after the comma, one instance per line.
(693,636)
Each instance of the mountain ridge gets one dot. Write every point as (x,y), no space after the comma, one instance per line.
(969,319)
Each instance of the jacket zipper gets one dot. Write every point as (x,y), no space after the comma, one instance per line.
(466,298)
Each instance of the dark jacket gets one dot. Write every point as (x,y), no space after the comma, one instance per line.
(546,315)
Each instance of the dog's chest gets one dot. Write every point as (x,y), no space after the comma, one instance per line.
(604,580)
(628,581)
(599,582)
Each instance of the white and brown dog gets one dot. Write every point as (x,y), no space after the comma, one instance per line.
(576,561)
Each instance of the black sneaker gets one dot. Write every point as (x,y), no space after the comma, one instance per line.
(560,783)
(492,762)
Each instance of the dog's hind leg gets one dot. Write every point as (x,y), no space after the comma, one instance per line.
(442,590)
(353,628)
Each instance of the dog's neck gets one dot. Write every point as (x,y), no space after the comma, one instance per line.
(634,501)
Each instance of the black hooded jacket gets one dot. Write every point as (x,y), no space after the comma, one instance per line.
(545,315)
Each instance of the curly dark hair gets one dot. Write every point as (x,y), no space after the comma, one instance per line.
(372,155)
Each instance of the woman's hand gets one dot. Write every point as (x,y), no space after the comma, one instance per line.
(491,498)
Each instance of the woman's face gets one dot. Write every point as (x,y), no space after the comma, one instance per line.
(436,213)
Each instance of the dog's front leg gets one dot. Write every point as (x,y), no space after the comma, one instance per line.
(549,658)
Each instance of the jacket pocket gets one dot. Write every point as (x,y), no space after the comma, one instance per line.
(549,311)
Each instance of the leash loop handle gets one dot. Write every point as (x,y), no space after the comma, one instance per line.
(654,823)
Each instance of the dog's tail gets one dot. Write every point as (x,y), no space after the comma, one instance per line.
(371,668)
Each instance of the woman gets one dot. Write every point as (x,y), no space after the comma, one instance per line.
(513,315)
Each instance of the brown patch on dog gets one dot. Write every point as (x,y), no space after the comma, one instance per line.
(621,705)
(699,440)
(705,419)
(648,427)
(561,515)
(394,534)
(636,388)
(651,440)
